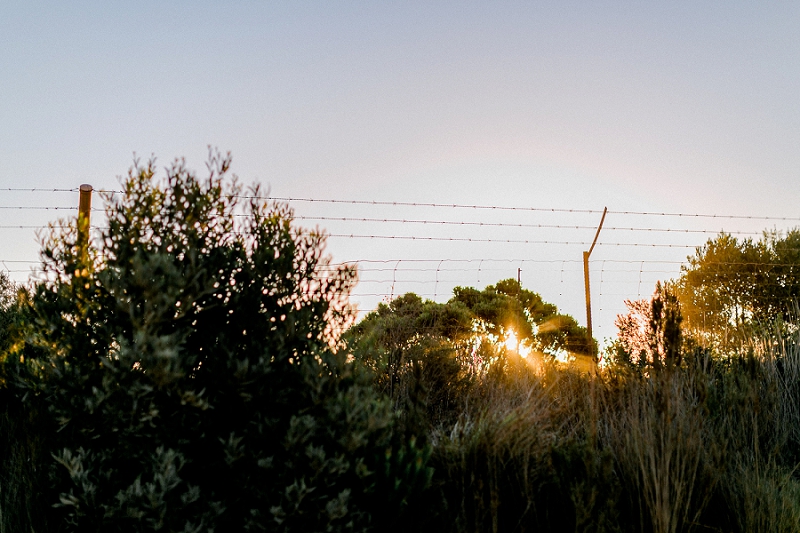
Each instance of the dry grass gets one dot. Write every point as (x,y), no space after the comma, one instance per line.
(497,445)
(764,500)
(657,432)
(710,446)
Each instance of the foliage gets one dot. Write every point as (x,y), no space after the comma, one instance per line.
(764,500)
(650,333)
(19,438)
(732,288)
(708,445)
(438,352)
(519,459)
(507,305)
(9,313)
(664,450)
(183,374)
(420,355)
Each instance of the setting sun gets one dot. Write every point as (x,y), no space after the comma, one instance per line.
(511,342)
(514,344)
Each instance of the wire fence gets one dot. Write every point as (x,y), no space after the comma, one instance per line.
(430,248)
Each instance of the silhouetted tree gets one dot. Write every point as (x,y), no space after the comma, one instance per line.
(650,333)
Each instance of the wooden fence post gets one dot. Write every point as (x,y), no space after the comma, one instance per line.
(590,338)
(84,217)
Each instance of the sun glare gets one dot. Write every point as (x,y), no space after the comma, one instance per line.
(511,340)
(562,356)
(514,344)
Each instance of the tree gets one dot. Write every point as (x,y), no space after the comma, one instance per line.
(497,312)
(731,286)
(506,306)
(650,333)
(420,353)
(434,353)
(183,373)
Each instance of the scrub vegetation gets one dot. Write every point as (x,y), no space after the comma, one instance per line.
(198,368)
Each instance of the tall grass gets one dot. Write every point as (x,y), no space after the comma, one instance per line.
(493,455)
(763,431)
(663,448)
(712,445)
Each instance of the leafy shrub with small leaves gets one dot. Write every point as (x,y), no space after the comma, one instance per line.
(9,314)
(183,370)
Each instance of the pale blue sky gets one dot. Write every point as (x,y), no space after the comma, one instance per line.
(678,107)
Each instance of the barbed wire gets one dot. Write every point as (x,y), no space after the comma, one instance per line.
(332,266)
(38,208)
(393,203)
(38,189)
(516,208)
(512,225)
(453,206)
(328,270)
(504,241)
(437,222)
(440,239)
(376,272)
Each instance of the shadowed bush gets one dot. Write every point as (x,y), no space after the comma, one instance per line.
(182,376)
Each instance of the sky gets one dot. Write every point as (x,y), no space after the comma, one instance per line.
(670,107)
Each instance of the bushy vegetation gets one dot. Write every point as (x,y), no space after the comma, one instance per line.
(733,289)
(672,438)
(182,376)
(674,432)
(197,369)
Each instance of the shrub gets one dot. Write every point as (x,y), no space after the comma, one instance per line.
(183,373)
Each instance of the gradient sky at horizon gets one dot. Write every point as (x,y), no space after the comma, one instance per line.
(674,107)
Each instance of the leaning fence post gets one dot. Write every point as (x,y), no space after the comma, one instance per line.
(590,338)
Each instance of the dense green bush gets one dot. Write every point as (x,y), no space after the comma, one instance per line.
(183,377)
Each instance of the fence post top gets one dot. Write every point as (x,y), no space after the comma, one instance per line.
(86,187)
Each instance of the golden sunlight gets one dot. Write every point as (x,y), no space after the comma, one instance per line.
(514,344)
(511,341)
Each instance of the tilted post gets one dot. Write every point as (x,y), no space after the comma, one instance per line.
(588,296)
(586,255)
